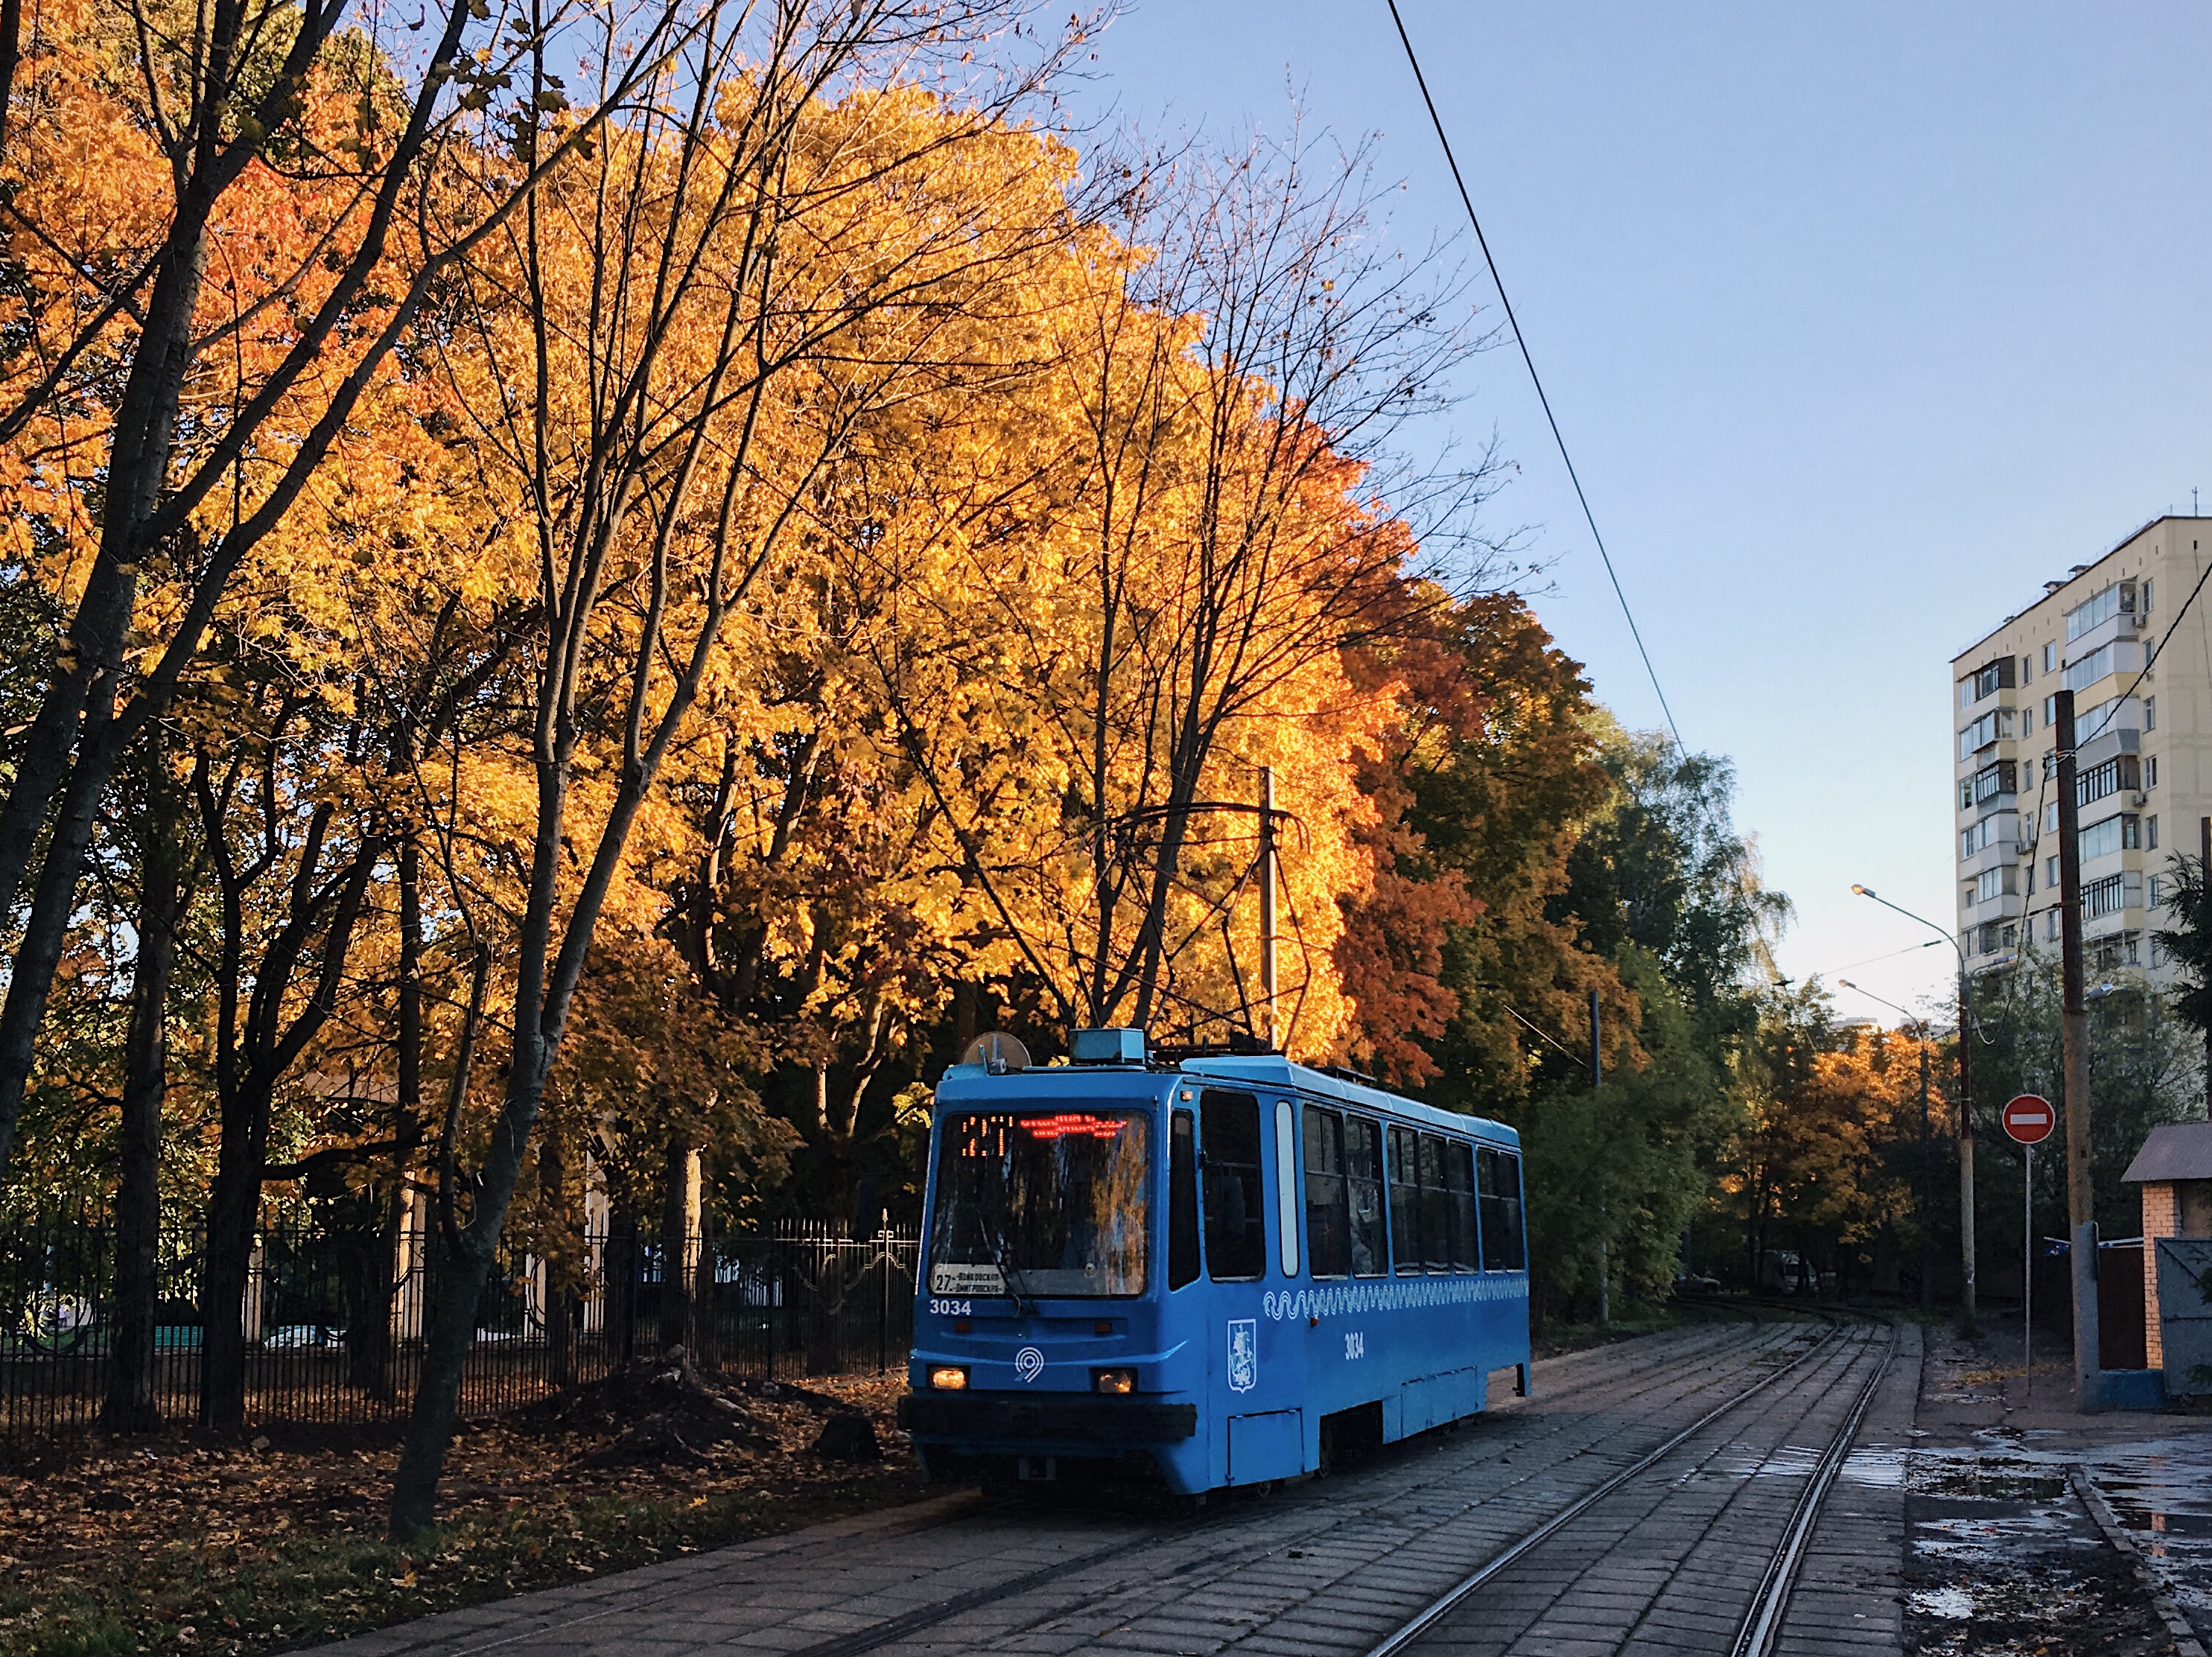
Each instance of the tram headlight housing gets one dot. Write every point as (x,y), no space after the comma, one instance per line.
(1114,1381)
(949,1378)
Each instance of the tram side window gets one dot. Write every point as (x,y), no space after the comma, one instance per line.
(1499,1177)
(1235,1223)
(1362,1168)
(1329,1206)
(1436,1206)
(1405,1201)
(1183,1202)
(1459,1186)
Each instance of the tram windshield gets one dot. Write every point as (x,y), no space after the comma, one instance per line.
(1050,1203)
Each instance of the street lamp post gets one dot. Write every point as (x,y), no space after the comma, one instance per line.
(1920,1183)
(1966,1310)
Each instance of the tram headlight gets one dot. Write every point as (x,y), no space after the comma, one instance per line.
(949,1378)
(1114,1381)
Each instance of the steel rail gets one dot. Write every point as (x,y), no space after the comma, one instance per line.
(1191,1528)
(1764,1621)
(1453,1597)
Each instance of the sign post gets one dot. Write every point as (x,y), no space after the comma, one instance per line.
(2028,1119)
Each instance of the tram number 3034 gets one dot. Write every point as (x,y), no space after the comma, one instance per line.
(1355,1343)
(952,1308)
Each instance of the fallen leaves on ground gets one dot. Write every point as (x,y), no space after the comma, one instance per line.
(184,1543)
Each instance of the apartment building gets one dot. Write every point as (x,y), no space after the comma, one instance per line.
(2143,753)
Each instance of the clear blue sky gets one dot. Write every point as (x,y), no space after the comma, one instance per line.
(1860,321)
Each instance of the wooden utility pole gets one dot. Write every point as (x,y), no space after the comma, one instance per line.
(2204,875)
(1268,901)
(2081,1215)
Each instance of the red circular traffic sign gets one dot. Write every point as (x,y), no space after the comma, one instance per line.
(2028,1119)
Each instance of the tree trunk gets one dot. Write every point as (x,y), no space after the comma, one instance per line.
(233,1211)
(679,1205)
(130,1406)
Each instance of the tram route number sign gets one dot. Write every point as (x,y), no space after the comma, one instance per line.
(2028,1119)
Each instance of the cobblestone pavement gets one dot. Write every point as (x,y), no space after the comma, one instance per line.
(1329,1566)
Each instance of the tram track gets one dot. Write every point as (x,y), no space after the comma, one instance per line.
(1362,1561)
(1195,1572)
(1761,1623)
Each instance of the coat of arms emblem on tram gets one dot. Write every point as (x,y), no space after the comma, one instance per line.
(1244,1355)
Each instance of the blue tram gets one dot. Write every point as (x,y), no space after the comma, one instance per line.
(1217,1272)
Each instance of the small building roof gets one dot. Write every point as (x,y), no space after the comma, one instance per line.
(2178,1151)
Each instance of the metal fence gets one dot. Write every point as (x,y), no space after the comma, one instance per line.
(334,1321)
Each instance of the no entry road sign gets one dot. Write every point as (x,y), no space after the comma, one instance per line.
(2028,1119)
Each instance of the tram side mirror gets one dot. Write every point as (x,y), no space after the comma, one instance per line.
(1107,1047)
(997,1053)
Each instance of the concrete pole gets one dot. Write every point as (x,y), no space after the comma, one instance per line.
(1927,1255)
(1267,900)
(1969,1325)
(2081,1215)
(1604,1246)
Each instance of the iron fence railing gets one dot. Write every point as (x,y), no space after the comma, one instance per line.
(334,1319)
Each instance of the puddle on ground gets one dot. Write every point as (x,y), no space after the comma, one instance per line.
(2005,1559)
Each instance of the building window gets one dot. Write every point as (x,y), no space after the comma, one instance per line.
(2121,771)
(2011,937)
(2104,897)
(2117,599)
(2026,721)
(2148,585)
(1992,884)
(2150,713)
(2050,711)
(2031,880)
(2051,817)
(2157,891)
(2150,770)
(1989,939)
(2050,925)
(1993,726)
(2157,955)
(1967,794)
(1985,681)
(2050,871)
(2150,834)
(2122,833)
(2050,661)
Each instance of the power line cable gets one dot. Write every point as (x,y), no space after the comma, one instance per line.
(1522,340)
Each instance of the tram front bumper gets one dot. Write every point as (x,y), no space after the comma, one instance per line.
(1064,1417)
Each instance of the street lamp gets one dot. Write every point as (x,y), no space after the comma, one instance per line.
(1966,1319)
(1927,1288)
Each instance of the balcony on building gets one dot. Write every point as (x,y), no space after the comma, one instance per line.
(2110,616)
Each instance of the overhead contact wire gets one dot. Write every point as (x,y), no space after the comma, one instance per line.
(1522,340)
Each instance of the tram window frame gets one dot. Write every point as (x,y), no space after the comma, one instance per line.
(1369,1230)
(1182,1200)
(1504,1246)
(1459,1192)
(1405,1210)
(1436,1206)
(1328,1196)
(1238,1237)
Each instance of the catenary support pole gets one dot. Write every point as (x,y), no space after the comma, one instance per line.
(2204,868)
(1927,1201)
(1267,900)
(1969,1320)
(2081,1216)
(1604,1247)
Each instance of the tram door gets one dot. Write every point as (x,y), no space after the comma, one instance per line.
(1257,1443)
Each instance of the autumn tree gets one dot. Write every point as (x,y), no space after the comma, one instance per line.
(191,338)
(658,355)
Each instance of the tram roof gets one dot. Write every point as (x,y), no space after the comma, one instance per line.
(973,1084)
